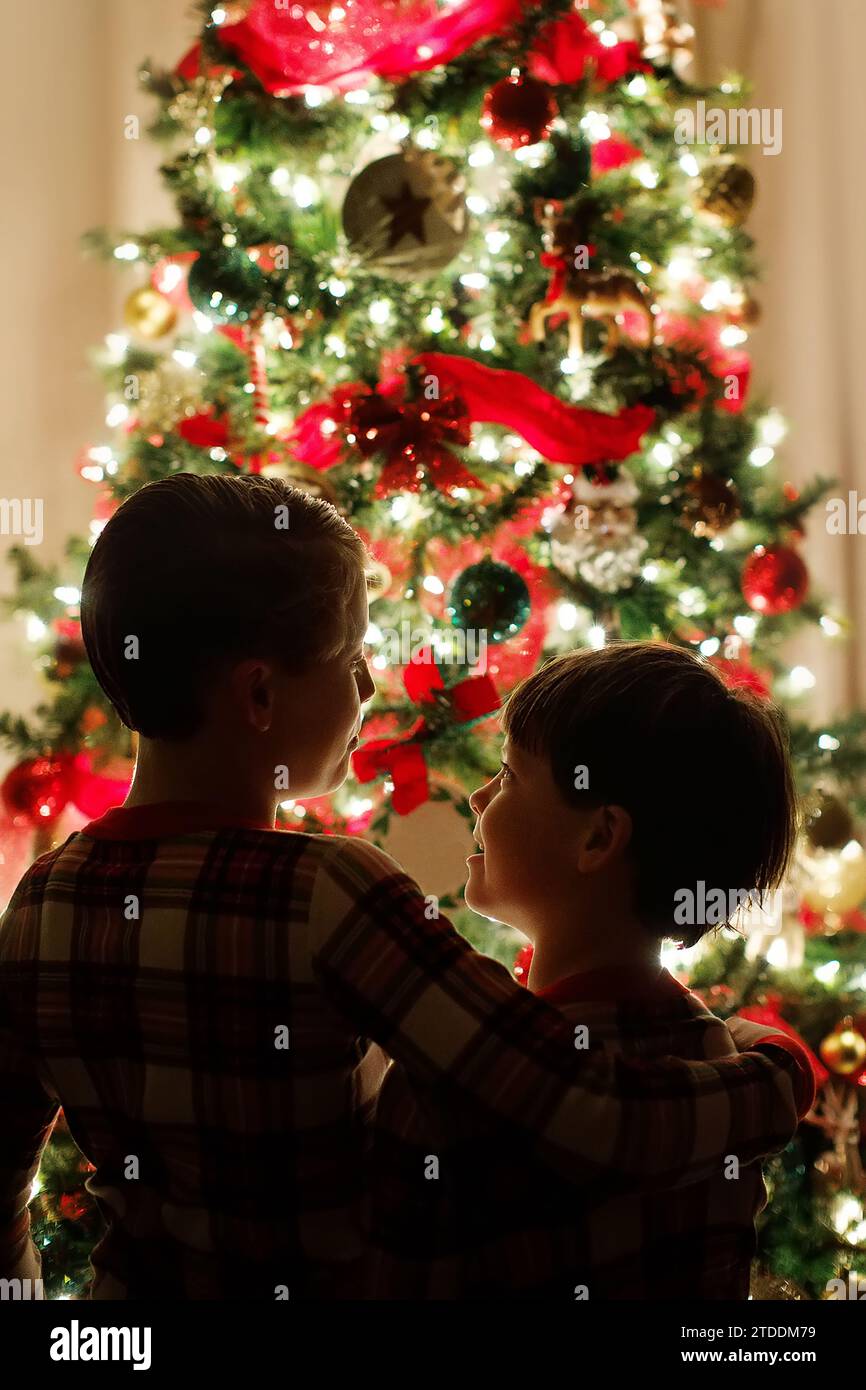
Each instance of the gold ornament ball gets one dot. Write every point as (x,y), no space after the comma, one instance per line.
(148,314)
(844,1050)
(827,821)
(727,192)
(837,879)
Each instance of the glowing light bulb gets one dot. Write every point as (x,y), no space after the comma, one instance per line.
(662,454)
(496,239)
(127,251)
(732,336)
(760,457)
(116,415)
(305,191)
(772,428)
(645,174)
(596,637)
(481,155)
(380,311)
(801,679)
(827,973)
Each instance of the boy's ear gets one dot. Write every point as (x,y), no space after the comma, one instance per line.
(605,839)
(253,691)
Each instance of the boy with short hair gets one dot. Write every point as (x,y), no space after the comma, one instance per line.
(599,824)
(196,989)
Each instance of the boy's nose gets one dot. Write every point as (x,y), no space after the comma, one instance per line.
(367,687)
(477,800)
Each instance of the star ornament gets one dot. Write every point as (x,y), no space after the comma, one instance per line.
(407,216)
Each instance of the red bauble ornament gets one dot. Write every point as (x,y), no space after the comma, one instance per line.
(775,580)
(519,111)
(36,791)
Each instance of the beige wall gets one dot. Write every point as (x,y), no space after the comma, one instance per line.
(69,81)
(810,224)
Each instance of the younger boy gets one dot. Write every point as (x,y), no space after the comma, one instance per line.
(631,779)
(196,989)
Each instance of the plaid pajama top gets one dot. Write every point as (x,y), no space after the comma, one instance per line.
(455,1213)
(203,997)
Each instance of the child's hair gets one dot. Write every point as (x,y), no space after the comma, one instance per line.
(703,770)
(202,571)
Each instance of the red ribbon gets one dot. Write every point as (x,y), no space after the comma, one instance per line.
(401,756)
(560,432)
(559,265)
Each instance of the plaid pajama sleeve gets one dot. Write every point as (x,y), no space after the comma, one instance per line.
(457,1020)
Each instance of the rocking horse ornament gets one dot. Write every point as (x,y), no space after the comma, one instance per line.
(580,293)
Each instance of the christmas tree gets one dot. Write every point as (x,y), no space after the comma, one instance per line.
(458,268)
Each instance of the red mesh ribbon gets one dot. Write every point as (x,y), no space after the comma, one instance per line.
(561,433)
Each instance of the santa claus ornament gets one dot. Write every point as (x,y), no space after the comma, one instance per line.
(596,537)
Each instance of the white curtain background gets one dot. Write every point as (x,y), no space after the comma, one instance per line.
(69,82)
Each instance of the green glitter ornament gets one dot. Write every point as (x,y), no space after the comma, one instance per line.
(491,597)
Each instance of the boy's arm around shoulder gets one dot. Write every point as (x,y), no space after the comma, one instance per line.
(458,1021)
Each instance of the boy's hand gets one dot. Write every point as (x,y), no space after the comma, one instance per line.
(748,1035)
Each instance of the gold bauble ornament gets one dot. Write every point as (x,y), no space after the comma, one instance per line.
(835,879)
(148,314)
(844,1050)
(727,192)
(827,822)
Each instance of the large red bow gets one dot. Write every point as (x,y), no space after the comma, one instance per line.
(402,755)
(414,437)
